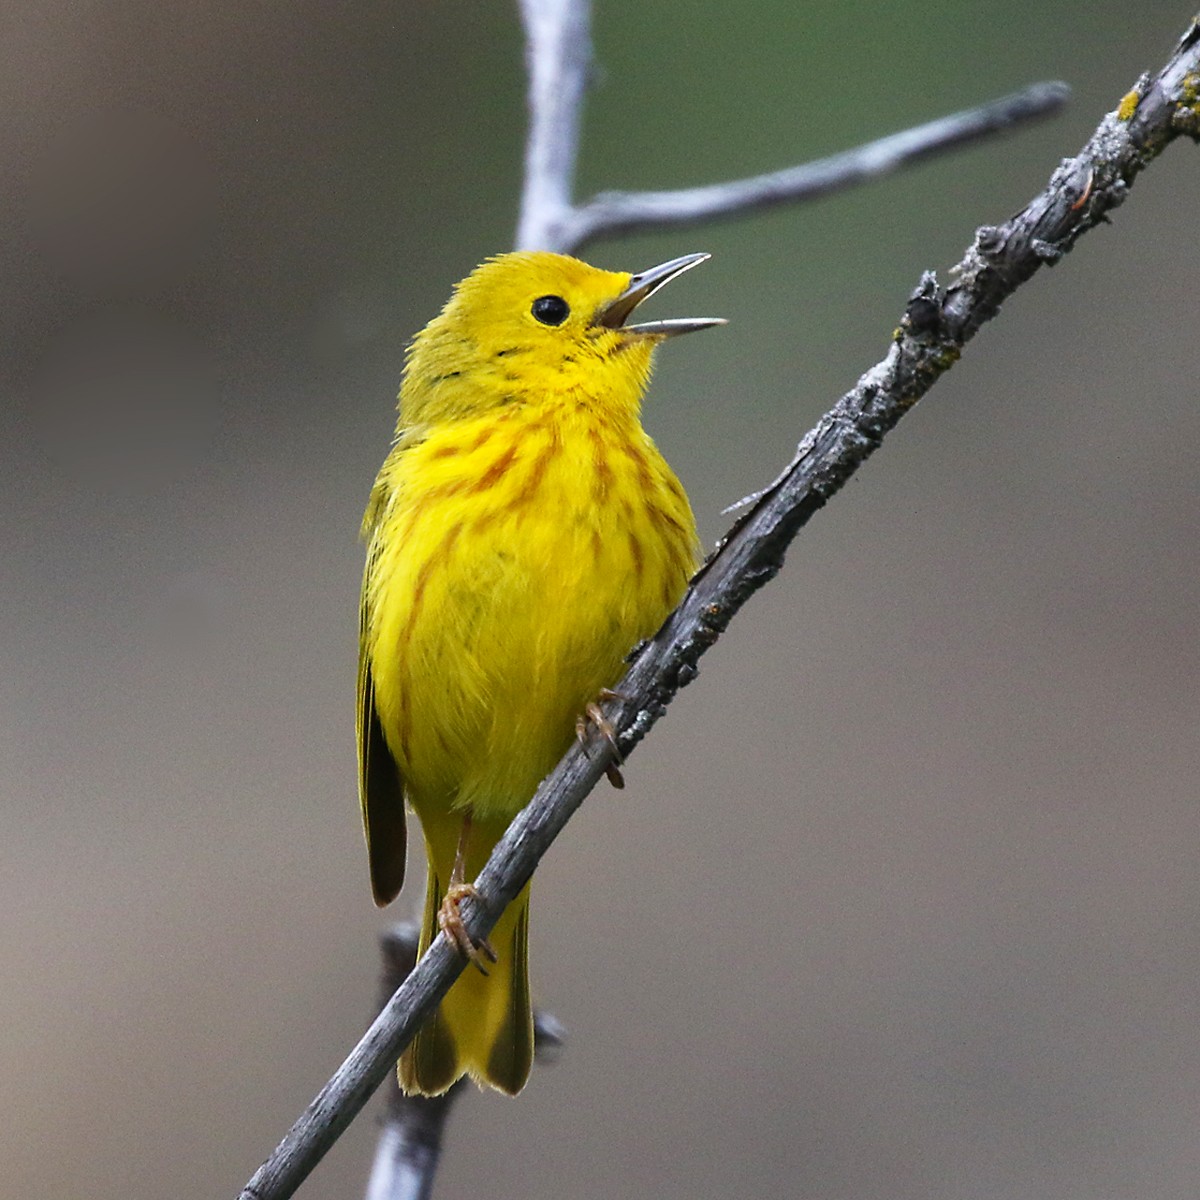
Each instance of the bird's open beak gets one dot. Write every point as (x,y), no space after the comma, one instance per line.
(613,314)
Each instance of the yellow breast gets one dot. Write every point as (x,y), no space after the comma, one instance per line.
(519,555)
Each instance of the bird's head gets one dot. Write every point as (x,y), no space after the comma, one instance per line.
(530,327)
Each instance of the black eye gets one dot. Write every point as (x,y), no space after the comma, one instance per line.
(551,310)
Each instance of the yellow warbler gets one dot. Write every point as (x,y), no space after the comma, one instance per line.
(523,534)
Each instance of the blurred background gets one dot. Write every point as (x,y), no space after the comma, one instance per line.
(901,898)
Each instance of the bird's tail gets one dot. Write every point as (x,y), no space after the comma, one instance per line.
(484,1025)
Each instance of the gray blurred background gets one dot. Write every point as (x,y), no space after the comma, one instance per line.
(901,899)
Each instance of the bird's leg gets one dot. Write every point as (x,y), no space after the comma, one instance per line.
(449,919)
(592,715)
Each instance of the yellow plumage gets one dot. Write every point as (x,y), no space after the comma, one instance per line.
(523,534)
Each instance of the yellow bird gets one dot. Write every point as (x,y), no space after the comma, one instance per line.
(523,534)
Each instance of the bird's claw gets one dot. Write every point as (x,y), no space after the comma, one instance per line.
(450,922)
(594,716)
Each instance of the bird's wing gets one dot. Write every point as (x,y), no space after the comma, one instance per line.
(380,786)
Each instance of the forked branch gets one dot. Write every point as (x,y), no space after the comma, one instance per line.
(559,56)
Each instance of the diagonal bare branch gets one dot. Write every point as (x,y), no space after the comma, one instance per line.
(937,323)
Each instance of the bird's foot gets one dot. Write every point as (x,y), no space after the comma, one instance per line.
(450,922)
(594,717)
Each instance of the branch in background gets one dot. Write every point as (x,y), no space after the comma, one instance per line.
(611,213)
(410,1141)
(937,323)
(558,57)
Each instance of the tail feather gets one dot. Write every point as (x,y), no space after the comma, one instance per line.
(429,1066)
(484,1025)
(511,1054)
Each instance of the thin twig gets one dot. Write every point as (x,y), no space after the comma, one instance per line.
(611,213)
(410,1140)
(936,325)
(558,52)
